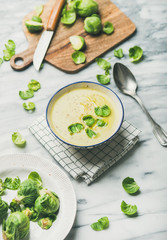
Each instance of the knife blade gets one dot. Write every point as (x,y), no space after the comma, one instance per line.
(47,35)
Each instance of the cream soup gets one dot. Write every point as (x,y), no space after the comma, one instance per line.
(72,106)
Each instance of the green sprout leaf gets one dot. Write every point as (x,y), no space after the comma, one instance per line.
(9,51)
(36,19)
(30,106)
(77,42)
(88,120)
(128,209)
(3,208)
(36,178)
(26,94)
(68,17)
(101,123)
(118,53)
(78,57)
(1,61)
(2,187)
(101,224)
(34,85)
(103,111)
(90,133)
(18,140)
(135,54)
(12,183)
(130,185)
(103,79)
(39,10)
(108,28)
(75,128)
(103,64)
(11,45)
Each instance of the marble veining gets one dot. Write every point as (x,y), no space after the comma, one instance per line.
(147,162)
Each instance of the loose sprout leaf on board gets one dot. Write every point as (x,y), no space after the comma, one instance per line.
(18,140)
(101,123)
(68,17)
(103,64)
(75,128)
(128,209)
(103,111)
(88,120)
(90,133)
(108,28)
(39,9)
(101,224)
(26,94)
(103,79)
(30,106)
(135,53)
(12,183)
(118,53)
(78,57)
(130,185)
(34,85)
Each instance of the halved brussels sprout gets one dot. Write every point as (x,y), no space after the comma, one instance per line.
(77,42)
(93,24)
(47,203)
(45,223)
(33,26)
(85,8)
(16,226)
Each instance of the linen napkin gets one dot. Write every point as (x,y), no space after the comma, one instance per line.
(86,164)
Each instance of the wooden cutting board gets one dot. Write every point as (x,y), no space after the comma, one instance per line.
(60,50)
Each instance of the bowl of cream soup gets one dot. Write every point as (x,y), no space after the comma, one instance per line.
(84,114)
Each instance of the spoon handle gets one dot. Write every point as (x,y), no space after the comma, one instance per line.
(159,133)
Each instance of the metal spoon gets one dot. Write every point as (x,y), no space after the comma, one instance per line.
(127,84)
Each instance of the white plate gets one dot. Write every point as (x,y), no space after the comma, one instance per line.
(55,180)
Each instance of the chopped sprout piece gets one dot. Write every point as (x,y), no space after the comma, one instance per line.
(130,185)
(77,42)
(92,25)
(101,224)
(12,183)
(128,209)
(18,140)
(75,128)
(68,17)
(118,53)
(33,26)
(135,54)
(30,106)
(103,79)
(101,123)
(88,120)
(34,85)
(9,51)
(103,64)
(103,111)
(36,19)
(39,10)
(90,133)
(108,28)
(78,57)
(26,94)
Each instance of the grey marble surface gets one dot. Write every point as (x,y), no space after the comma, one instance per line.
(147,162)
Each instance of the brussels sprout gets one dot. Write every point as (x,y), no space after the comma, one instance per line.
(90,133)
(36,178)
(26,94)
(78,57)
(103,111)
(135,53)
(2,187)
(88,120)
(108,28)
(118,53)
(36,19)
(101,123)
(18,140)
(31,213)
(15,206)
(47,203)
(68,17)
(30,106)
(16,226)
(77,42)
(45,223)
(12,183)
(93,25)
(103,79)
(28,192)
(33,26)
(75,128)
(85,8)
(3,208)
(34,85)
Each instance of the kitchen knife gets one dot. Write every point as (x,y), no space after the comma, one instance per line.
(47,35)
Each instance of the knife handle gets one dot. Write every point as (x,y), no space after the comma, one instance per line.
(54,15)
